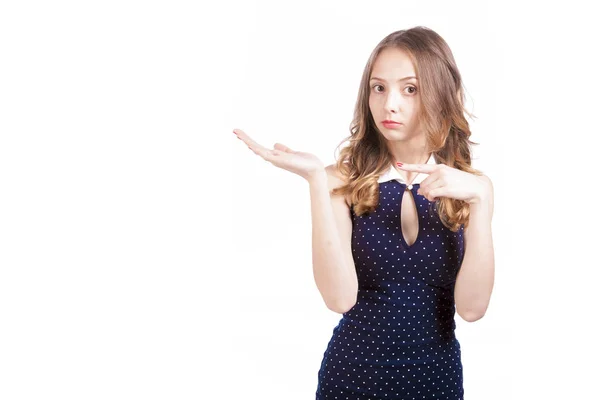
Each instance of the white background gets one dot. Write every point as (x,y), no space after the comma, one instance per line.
(146,253)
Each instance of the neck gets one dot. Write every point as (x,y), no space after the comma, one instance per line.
(409,153)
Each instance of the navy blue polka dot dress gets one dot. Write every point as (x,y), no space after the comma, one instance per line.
(398,340)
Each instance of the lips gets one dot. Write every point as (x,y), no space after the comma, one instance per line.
(391,124)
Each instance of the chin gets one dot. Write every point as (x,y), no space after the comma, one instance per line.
(392,134)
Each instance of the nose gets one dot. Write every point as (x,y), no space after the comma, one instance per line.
(392,102)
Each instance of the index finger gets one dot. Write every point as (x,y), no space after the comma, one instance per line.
(422,168)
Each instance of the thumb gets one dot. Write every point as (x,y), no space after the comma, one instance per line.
(279,146)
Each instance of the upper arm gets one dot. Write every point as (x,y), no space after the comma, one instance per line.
(341,212)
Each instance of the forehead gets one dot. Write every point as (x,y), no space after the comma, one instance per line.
(393,63)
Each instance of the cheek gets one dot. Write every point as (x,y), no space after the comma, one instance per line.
(410,111)
(373,106)
(414,107)
(373,111)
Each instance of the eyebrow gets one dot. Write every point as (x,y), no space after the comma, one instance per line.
(383,80)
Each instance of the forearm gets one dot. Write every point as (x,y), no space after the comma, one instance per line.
(475,280)
(336,281)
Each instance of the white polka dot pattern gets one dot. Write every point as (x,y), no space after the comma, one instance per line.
(398,340)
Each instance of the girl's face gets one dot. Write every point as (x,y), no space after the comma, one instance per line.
(394,95)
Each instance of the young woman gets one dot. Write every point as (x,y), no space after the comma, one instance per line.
(401,227)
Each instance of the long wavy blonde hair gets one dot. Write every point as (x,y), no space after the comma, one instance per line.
(441,117)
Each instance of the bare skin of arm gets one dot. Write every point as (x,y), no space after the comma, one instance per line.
(333,265)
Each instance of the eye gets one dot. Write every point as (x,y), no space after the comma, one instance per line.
(412,91)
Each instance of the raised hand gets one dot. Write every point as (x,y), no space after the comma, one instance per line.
(304,164)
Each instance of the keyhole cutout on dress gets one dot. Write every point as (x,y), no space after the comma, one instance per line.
(409,218)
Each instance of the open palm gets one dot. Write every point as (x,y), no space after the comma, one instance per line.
(298,162)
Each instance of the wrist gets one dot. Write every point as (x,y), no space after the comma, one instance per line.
(317,175)
(480,206)
(483,192)
(479,198)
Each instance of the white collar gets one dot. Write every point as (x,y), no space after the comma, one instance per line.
(393,173)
